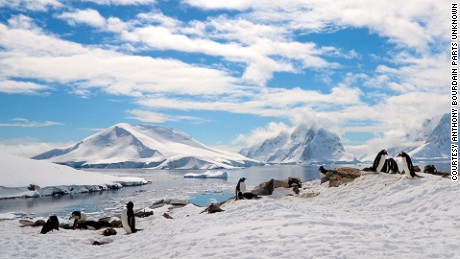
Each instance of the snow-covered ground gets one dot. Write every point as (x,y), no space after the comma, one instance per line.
(375,216)
(17,174)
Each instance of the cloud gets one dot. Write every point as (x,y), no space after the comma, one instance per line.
(155,117)
(18,87)
(87,16)
(260,134)
(31,5)
(121,2)
(29,147)
(25,123)
(34,55)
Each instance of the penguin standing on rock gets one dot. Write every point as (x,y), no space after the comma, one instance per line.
(127,218)
(240,187)
(407,165)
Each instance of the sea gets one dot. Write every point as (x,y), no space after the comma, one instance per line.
(165,184)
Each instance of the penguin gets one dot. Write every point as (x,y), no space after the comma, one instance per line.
(79,217)
(247,196)
(127,218)
(240,187)
(391,166)
(379,161)
(80,222)
(407,165)
(51,223)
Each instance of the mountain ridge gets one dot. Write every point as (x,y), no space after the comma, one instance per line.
(144,146)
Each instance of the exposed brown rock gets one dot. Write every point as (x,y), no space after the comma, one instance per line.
(339,176)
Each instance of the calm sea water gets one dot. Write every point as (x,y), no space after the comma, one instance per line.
(166,184)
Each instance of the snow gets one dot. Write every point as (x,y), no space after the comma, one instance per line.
(145,146)
(207,174)
(18,173)
(303,145)
(375,216)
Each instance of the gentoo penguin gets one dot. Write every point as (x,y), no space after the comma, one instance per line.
(127,218)
(79,217)
(379,161)
(240,187)
(80,222)
(391,166)
(247,196)
(407,165)
(51,223)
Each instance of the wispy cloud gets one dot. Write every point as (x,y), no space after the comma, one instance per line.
(155,117)
(25,123)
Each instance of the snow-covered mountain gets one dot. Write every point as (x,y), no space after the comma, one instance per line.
(437,144)
(144,146)
(303,145)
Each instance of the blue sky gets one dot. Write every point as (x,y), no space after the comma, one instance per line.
(228,73)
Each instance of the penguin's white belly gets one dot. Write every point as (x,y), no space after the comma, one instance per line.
(381,163)
(242,187)
(406,168)
(124,221)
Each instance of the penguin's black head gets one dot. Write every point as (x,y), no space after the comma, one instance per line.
(242,179)
(130,205)
(322,169)
(403,154)
(383,152)
(75,215)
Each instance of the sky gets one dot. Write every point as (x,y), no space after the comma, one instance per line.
(227,73)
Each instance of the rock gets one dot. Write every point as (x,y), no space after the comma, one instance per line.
(339,176)
(213,208)
(431,169)
(158,204)
(266,188)
(294,180)
(143,214)
(30,223)
(109,232)
(166,215)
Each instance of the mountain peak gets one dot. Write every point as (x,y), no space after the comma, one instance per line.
(303,145)
(126,145)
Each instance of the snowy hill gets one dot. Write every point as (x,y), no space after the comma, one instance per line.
(375,216)
(437,144)
(18,173)
(144,146)
(303,145)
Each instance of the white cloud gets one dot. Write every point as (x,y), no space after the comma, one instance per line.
(31,5)
(29,147)
(25,123)
(260,134)
(18,87)
(121,2)
(155,117)
(35,55)
(87,16)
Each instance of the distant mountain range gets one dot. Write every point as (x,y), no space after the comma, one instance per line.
(144,146)
(303,145)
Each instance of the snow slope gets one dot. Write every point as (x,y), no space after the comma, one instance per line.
(437,145)
(376,216)
(17,173)
(144,146)
(303,145)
